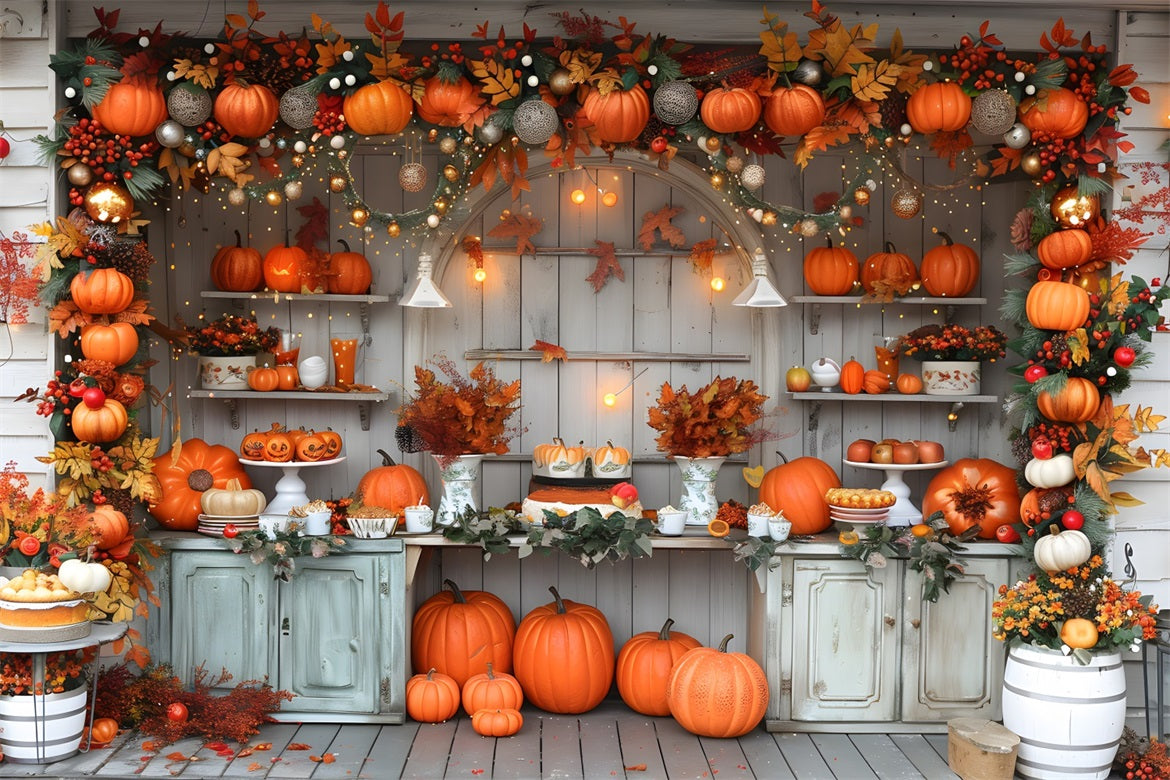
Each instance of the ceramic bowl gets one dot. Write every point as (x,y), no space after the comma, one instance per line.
(313,372)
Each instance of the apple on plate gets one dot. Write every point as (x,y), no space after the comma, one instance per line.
(930,452)
(860,451)
(906,453)
(883,452)
(798,379)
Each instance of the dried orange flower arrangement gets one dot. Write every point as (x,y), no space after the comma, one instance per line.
(467,415)
(711,422)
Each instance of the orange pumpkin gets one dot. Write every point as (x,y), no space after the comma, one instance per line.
(252,445)
(1079,633)
(939,107)
(714,693)
(104,423)
(1065,249)
(287,378)
(730,109)
(134,106)
(797,488)
(432,697)
(279,448)
(332,441)
(1058,113)
(974,492)
(246,110)
(852,377)
(794,110)
(263,379)
(109,526)
(563,656)
(283,268)
(502,722)
(392,486)
(183,478)
(620,116)
(830,270)
(349,272)
(644,665)
(448,103)
(892,270)
(1056,306)
(311,448)
(103,731)
(102,291)
(237,268)
(875,382)
(950,270)
(461,632)
(116,342)
(1038,504)
(490,691)
(909,384)
(383,108)
(1076,403)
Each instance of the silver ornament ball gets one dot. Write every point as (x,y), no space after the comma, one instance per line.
(1018,136)
(293,190)
(412,177)
(490,133)
(808,72)
(535,122)
(752,177)
(993,112)
(237,197)
(80,174)
(297,108)
(675,102)
(189,104)
(735,164)
(170,134)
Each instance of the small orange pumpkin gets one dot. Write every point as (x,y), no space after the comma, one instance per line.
(393,486)
(492,690)
(279,448)
(102,291)
(237,268)
(252,445)
(349,272)
(283,268)
(794,111)
(714,693)
(448,103)
(109,526)
(1079,633)
(939,107)
(1059,113)
(853,377)
(333,442)
(311,448)
(620,116)
(432,697)
(1076,403)
(246,110)
(1065,248)
(730,109)
(1056,306)
(875,382)
(116,342)
(103,731)
(287,377)
(263,379)
(99,425)
(950,270)
(797,488)
(892,270)
(134,107)
(830,270)
(502,722)
(644,665)
(382,108)
(908,384)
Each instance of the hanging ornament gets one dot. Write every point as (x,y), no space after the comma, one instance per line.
(170,134)
(769,218)
(808,228)
(734,164)
(337,142)
(490,133)
(450,173)
(675,102)
(560,82)
(237,197)
(448,145)
(80,174)
(713,144)
(107,202)
(273,198)
(298,160)
(338,183)
(906,203)
(535,122)
(189,104)
(993,112)
(1017,136)
(752,177)
(298,106)
(717,180)
(432,135)
(861,196)
(359,217)
(845,212)
(412,177)
(1031,165)
(808,72)
(294,189)
(393,230)
(1070,209)
(433,221)
(441,206)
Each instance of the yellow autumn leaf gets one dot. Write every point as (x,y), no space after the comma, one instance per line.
(1078,344)
(498,81)
(606,81)
(1160,458)
(1125,499)
(1145,420)
(779,47)
(1098,482)
(873,82)
(911,76)
(1118,297)
(580,65)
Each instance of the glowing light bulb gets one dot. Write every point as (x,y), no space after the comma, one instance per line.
(609,199)
(609,399)
(480,274)
(717,283)
(577,196)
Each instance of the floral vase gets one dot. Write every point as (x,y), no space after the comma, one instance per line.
(1068,715)
(950,377)
(459,485)
(42,731)
(226,372)
(698,498)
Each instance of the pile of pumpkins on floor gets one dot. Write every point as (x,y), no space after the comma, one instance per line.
(469,652)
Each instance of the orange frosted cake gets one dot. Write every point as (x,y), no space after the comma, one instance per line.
(566,500)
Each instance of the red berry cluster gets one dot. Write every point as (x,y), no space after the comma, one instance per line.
(454,53)
(329,120)
(211,129)
(1047,352)
(56,396)
(1140,769)
(93,147)
(1051,150)
(1059,436)
(99,460)
(970,58)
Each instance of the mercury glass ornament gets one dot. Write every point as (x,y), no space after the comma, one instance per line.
(293,190)
(808,72)
(535,122)
(1018,136)
(560,82)
(906,203)
(273,198)
(297,108)
(861,196)
(237,197)
(675,102)
(993,112)
(1070,209)
(735,164)
(359,217)
(393,230)
(752,177)
(412,177)
(1031,165)
(450,173)
(490,133)
(448,145)
(107,202)
(338,183)
(80,174)
(189,104)
(808,228)
(170,134)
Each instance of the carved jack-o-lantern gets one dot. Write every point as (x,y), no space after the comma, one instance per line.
(278,448)
(311,448)
(252,445)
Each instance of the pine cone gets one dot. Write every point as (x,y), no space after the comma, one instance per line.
(120,500)
(131,258)
(1054,500)
(654,128)
(1080,602)
(1021,450)
(270,72)
(893,110)
(1059,343)
(408,439)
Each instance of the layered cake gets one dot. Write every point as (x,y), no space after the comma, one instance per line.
(568,499)
(36,600)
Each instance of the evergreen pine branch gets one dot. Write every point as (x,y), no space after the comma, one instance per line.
(1020,264)
(1013,307)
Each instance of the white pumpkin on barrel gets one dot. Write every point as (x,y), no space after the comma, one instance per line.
(610,462)
(559,459)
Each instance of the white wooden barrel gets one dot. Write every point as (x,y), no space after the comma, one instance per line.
(56,725)
(1068,716)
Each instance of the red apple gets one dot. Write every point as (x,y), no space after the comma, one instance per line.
(1042,448)
(1124,356)
(230,531)
(1035,373)
(659,144)
(906,453)
(797,379)
(1007,534)
(882,453)
(930,452)
(623,494)
(1072,520)
(860,451)
(94,397)
(177,711)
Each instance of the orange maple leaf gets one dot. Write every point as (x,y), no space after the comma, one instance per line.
(252,767)
(949,145)
(660,221)
(298,746)
(65,318)
(703,254)
(521,228)
(818,140)
(549,352)
(607,265)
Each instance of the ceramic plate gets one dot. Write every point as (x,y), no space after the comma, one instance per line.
(859,513)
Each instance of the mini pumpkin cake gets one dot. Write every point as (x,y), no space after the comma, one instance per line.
(36,600)
(566,500)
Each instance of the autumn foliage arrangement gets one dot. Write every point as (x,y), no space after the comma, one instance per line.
(954,342)
(231,334)
(713,421)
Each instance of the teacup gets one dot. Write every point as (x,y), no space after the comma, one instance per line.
(317,523)
(758,524)
(672,523)
(419,519)
(270,524)
(779,528)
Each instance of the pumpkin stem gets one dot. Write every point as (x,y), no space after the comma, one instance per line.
(233,484)
(560,602)
(491,675)
(664,634)
(239,240)
(783,458)
(829,241)
(200,480)
(946,239)
(558,441)
(459,599)
(344,244)
(609,443)
(890,248)
(431,673)
(386,459)
(723,644)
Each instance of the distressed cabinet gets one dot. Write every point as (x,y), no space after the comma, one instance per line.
(334,636)
(848,648)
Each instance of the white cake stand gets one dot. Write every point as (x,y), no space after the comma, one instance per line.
(903,512)
(290,488)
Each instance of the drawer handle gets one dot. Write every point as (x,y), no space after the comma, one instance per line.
(915,623)
(353,645)
(889,620)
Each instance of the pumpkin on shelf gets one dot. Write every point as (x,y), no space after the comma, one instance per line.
(233,500)
(237,268)
(797,488)
(908,384)
(431,697)
(184,477)
(852,377)
(333,442)
(714,693)
(382,108)
(1056,306)
(392,486)
(492,690)
(939,107)
(279,447)
(1058,113)
(110,527)
(1060,550)
(448,102)
(1065,249)
(889,273)
(252,445)
(311,448)
(263,379)
(500,722)
(793,111)
(830,270)
(116,342)
(974,492)
(1076,402)
(287,378)
(84,577)
(559,459)
(875,382)
(99,419)
(349,272)
(102,291)
(283,268)
(950,270)
(461,632)
(134,107)
(246,110)
(619,116)
(730,109)
(579,675)
(644,665)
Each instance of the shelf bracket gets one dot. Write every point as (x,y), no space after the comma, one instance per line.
(814,322)
(953,415)
(233,412)
(364,316)
(949,312)
(814,417)
(363,408)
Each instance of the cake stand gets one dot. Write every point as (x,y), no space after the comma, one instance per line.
(290,488)
(903,512)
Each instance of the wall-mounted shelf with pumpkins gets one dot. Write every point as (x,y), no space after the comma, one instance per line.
(921,398)
(230,397)
(612,357)
(277,297)
(814,319)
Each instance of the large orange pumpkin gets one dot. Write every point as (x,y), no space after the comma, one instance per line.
(246,110)
(448,103)
(830,270)
(1056,306)
(237,268)
(794,110)
(283,268)
(109,526)
(384,108)
(104,423)
(974,492)
(644,665)
(1064,248)
(894,271)
(1076,403)
(461,632)
(349,272)
(563,656)
(797,488)
(939,107)
(620,115)
(198,467)
(392,486)
(730,109)
(1059,113)
(431,697)
(491,690)
(134,106)
(116,342)
(714,693)
(102,291)
(950,270)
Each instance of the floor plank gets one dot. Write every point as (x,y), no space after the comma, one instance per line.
(388,755)
(349,749)
(163,766)
(518,756)
(125,760)
(681,752)
(430,750)
(842,757)
(298,763)
(278,735)
(601,749)
(640,746)
(764,756)
(923,756)
(726,758)
(560,746)
(471,754)
(939,743)
(884,757)
(802,756)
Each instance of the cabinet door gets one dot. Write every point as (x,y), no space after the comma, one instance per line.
(845,647)
(220,612)
(329,626)
(952,665)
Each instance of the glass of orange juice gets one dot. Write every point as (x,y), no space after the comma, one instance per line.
(344,347)
(290,349)
(885,349)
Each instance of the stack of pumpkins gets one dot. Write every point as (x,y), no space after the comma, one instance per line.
(468,651)
(289,269)
(949,270)
(101,293)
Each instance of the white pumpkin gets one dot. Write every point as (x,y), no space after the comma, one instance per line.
(1053,472)
(1061,551)
(233,501)
(559,459)
(610,461)
(82,577)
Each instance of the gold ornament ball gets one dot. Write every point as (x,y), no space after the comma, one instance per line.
(440,206)
(713,143)
(450,173)
(906,204)
(338,183)
(237,197)
(359,217)
(861,196)
(505,214)
(186,149)
(107,202)
(560,82)
(273,198)
(432,135)
(769,218)
(735,164)
(298,160)
(717,180)
(1070,209)
(393,230)
(448,145)
(80,174)
(1031,165)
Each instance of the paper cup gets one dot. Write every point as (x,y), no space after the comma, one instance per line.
(757,525)
(672,523)
(317,523)
(419,519)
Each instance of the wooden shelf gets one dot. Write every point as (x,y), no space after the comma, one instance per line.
(907,299)
(612,357)
(838,395)
(580,250)
(657,457)
(277,297)
(231,397)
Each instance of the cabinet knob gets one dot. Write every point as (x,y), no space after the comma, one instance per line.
(915,623)
(889,620)
(353,645)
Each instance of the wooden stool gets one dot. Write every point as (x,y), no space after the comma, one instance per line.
(979,749)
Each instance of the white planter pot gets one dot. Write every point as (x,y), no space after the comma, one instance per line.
(225,373)
(50,732)
(950,377)
(1068,716)
(459,487)
(698,498)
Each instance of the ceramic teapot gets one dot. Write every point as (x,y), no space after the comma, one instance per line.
(825,373)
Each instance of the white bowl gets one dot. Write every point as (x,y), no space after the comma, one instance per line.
(313,372)
(370,527)
(271,523)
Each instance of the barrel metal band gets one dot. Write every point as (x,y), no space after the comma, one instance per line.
(1079,771)
(1025,662)
(1051,746)
(1062,699)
